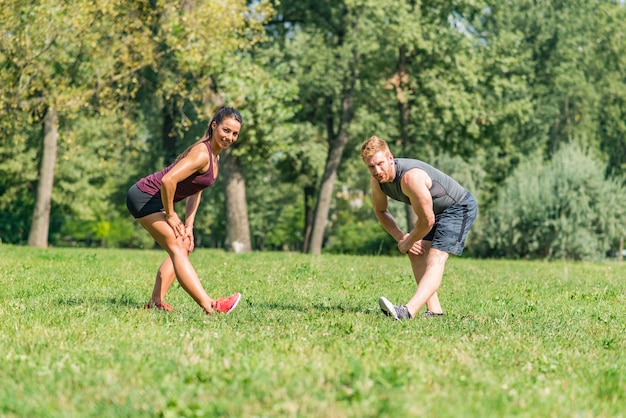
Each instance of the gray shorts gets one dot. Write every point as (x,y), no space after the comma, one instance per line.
(452,225)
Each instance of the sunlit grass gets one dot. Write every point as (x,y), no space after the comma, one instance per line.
(528,339)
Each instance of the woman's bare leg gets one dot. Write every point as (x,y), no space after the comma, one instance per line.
(164,279)
(163,234)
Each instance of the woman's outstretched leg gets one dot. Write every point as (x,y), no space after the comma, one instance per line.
(163,234)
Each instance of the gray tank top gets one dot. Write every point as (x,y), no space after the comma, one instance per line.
(445,191)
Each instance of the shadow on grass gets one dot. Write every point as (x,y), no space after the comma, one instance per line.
(304,308)
(121,301)
(126,301)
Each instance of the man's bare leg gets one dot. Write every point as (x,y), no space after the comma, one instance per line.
(431,265)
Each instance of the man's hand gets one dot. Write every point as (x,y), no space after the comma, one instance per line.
(406,246)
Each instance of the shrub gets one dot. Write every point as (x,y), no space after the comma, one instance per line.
(556,209)
(366,237)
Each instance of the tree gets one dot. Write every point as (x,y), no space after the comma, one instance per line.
(52,67)
(151,58)
(552,75)
(197,42)
(609,67)
(557,60)
(302,164)
(41,216)
(331,43)
(195,83)
(237,227)
(563,208)
(429,101)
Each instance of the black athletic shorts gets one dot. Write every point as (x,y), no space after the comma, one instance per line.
(141,204)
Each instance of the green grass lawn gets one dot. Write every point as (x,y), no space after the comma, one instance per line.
(524,339)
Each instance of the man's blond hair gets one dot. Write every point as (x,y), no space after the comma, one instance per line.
(372,145)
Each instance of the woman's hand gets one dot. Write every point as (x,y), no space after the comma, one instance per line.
(188,239)
(174,222)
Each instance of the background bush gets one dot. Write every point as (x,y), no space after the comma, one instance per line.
(559,208)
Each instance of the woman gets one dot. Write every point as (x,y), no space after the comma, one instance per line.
(151,201)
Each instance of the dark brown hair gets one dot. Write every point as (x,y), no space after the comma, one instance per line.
(220,115)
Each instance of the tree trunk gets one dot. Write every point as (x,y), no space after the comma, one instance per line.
(400,82)
(620,250)
(40,224)
(309,192)
(326,192)
(237,225)
(336,144)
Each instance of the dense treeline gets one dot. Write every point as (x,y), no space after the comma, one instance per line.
(524,102)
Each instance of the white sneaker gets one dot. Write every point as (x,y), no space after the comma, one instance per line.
(398,313)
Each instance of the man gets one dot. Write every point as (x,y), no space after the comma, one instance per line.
(445,212)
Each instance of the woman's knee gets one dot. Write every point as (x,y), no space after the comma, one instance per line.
(176,249)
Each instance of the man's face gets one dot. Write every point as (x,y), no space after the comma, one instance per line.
(381,167)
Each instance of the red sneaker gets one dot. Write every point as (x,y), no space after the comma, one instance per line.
(162,306)
(225,305)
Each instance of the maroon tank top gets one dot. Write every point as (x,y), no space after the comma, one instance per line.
(188,187)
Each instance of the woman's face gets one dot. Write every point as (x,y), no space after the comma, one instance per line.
(227,132)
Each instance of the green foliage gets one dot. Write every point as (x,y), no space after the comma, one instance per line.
(199,43)
(16,213)
(122,232)
(18,175)
(426,62)
(92,167)
(91,58)
(561,208)
(609,67)
(260,87)
(308,338)
(276,211)
(210,224)
(361,238)
(354,228)
(80,59)
(287,232)
(301,159)
(470,174)
(92,176)
(63,54)
(491,84)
